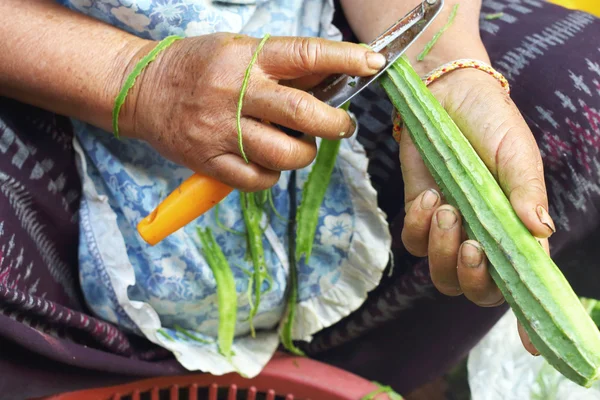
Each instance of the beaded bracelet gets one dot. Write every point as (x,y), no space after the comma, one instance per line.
(130,81)
(443,70)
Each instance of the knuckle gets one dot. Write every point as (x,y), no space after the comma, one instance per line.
(308,52)
(282,157)
(416,225)
(207,162)
(442,252)
(301,107)
(445,279)
(307,157)
(414,247)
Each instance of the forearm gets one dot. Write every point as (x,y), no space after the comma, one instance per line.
(462,40)
(61,61)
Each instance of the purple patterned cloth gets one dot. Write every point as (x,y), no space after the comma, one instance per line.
(405,334)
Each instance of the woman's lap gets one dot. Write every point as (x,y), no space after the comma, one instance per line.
(405,333)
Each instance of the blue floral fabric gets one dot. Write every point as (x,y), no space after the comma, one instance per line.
(156,19)
(168,289)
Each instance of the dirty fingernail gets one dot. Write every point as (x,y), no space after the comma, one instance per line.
(471,255)
(545,218)
(375,60)
(429,199)
(446,219)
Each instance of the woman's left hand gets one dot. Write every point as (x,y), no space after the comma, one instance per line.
(493,125)
(489,119)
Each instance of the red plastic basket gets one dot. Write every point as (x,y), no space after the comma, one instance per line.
(284,378)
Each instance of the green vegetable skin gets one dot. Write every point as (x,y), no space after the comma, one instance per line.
(532,284)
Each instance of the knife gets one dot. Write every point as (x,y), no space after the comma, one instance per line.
(175,211)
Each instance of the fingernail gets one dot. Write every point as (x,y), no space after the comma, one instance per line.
(376,60)
(429,199)
(446,219)
(536,352)
(353,125)
(471,255)
(545,218)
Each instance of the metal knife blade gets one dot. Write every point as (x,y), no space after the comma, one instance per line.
(339,89)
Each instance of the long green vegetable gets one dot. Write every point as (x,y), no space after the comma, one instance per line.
(226,291)
(290,313)
(288,325)
(304,224)
(313,194)
(252,216)
(312,197)
(531,283)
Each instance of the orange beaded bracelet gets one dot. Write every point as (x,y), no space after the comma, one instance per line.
(443,70)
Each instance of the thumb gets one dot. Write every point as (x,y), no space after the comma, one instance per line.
(286,58)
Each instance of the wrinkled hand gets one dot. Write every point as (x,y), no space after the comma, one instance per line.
(185,104)
(491,122)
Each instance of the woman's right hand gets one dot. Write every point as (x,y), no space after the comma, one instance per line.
(184,104)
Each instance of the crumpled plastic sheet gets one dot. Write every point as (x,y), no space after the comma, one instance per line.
(501,369)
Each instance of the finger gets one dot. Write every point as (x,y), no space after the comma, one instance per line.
(475,279)
(415,233)
(526,341)
(545,244)
(306,82)
(297,110)
(270,148)
(290,58)
(444,242)
(505,144)
(415,174)
(232,170)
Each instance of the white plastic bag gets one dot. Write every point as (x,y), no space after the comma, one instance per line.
(501,369)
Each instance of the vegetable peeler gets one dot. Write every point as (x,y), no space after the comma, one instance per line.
(175,211)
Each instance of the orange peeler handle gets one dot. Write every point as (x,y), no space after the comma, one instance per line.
(195,196)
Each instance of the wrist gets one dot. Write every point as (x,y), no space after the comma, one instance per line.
(439,55)
(125,63)
(460,40)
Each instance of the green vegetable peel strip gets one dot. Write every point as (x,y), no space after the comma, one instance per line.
(188,335)
(226,291)
(491,17)
(222,226)
(130,81)
(433,41)
(238,117)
